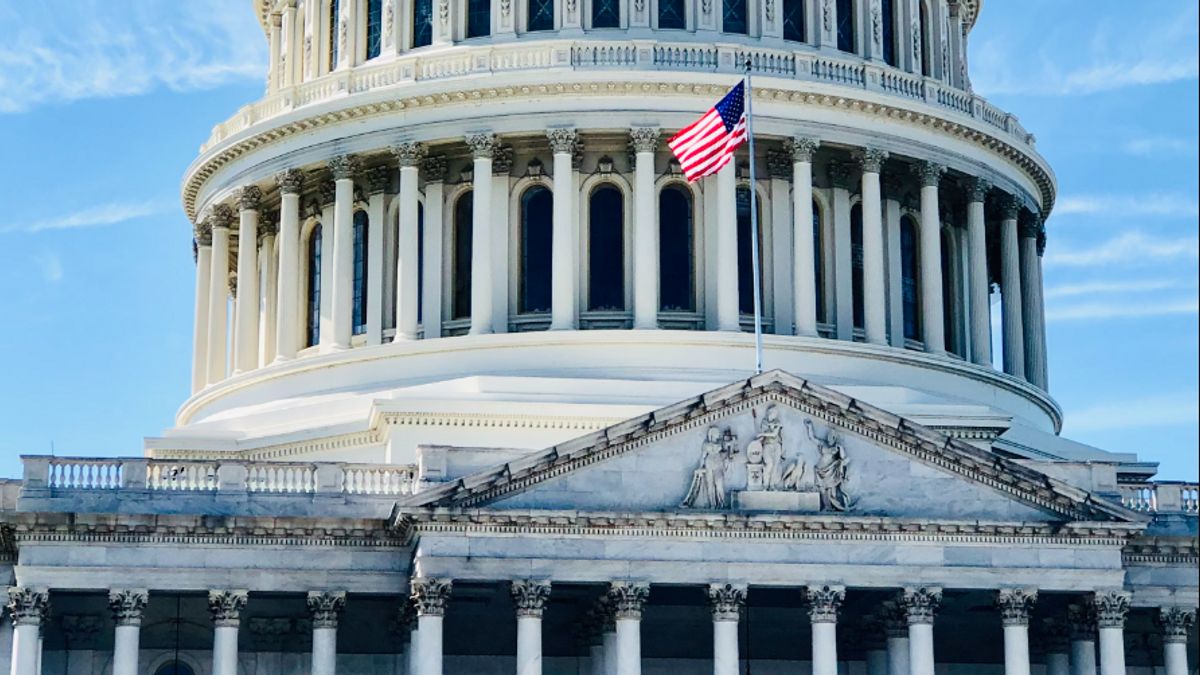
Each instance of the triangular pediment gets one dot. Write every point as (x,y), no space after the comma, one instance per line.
(778,443)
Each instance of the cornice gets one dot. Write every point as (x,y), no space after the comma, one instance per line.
(1167,551)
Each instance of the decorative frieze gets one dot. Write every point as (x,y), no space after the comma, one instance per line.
(871,159)
(929,173)
(921,604)
(726,601)
(628,598)
(1015,605)
(644,139)
(344,167)
(482,145)
(1111,608)
(529,597)
(127,606)
(226,607)
(409,153)
(249,197)
(824,602)
(324,607)
(430,595)
(1176,623)
(28,606)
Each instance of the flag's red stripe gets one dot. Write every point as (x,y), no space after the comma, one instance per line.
(705,146)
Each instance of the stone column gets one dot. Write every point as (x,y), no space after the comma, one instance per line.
(126,607)
(269,294)
(932,326)
(1111,608)
(1081,622)
(843,256)
(431,310)
(895,626)
(482,146)
(344,169)
(246,340)
(804,256)
(379,179)
(628,598)
(1031,304)
(823,605)
(324,608)
(921,605)
(289,57)
(27,607)
(287,314)
(226,608)
(1015,605)
(1058,647)
(1010,289)
(218,294)
(644,141)
(728,312)
(606,615)
(1176,624)
(203,241)
(529,598)
(408,155)
(429,596)
(977,273)
(874,286)
(564,268)
(274,35)
(726,601)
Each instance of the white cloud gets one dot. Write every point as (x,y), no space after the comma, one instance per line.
(51,266)
(1128,248)
(92,216)
(1114,287)
(1160,146)
(1149,411)
(1159,204)
(97,49)
(1091,311)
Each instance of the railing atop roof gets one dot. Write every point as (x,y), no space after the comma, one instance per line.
(1161,497)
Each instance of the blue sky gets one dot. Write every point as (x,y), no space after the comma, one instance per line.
(103,104)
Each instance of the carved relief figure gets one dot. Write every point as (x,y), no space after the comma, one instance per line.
(766,451)
(830,470)
(708,481)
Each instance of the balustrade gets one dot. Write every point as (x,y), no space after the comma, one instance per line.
(84,474)
(1161,497)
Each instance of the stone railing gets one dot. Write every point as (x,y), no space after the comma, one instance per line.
(71,474)
(800,64)
(1161,497)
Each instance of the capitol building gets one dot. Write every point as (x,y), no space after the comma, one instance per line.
(474,386)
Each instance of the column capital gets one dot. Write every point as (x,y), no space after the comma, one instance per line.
(482,145)
(824,602)
(409,153)
(1081,622)
(1009,205)
(324,607)
(344,167)
(28,606)
(803,148)
(644,139)
(929,173)
(220,216)
(529,597)
(290,181)
(379,179)
(726,601)
(268,225)
(871,159)
(1015,605)
(562,140)
(202,231)
(430,595)
(921,604)
(839,175)
(628,598)
(226,607)
(434,168)
(1176,623)
(127,606)
(249,197)
(1111,608)
(977,189)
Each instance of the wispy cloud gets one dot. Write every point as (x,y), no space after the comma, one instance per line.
(1160,204)
(1129,309)
(51,266)
(99,49)
(92,216)
(1114,287)
(1160,146)
(1158,410)
(1128,248)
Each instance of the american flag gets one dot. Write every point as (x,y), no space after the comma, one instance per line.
(706,145)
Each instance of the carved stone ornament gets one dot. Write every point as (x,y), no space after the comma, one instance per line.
(529,597)
(827,16)
(708,489)
(127,606)
(977,189)
(1176,623)
(203,233)
(644,139)
(379,179)
(1015,605)
(505,8)
(726,601)
(766,468)
(916,46)
(829,473)
(1010,206)
(572,5)
(434,167)
(429,595)
(27,606)
(1081,622)
(226,607)
(249,197)
(839,175)
(876,24)
(444,12)
(779,163)
(324,607)
(1111,608)
(605,165)
(326,194)
(409,153)
(921,604)
(769,10)
(628,598)
(221,216)
(803,148)
(290,181)
(639,6)
(706,7)
(824,602)
(268,225)
(929,173)
(502,160)
(344,167)
(871,160)
(387,19)
(562,140)
(482,145)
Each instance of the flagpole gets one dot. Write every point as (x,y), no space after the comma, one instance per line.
(758,338)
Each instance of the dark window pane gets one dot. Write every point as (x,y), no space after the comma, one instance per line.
(374,27)
(909,276)
(734,17)
(926,60)
(889,31)
(541,15)
(818,262)
(479,18)
(361,225)
(671,14)
(948,293)
(606,250)
(793,20)
(420,260)
(422,23)
(606,14)
(537,229)
(744,252)
(333,33)
(174,668)
(856,262)
(313,316)
(461,250)
(845,25)
(676,269)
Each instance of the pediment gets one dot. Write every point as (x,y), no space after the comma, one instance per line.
(775,443)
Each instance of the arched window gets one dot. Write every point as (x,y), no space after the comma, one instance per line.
(312,323)
(536,253)
(744,252)
(734,17)
(926,42)
(361,226)
(479,18)
(671,14)
(422,35)
(606,14)
(676,258)
(460,251)
(845,26)
(856,264)
(910,276)
(793,20)
(819,261)
(374,27)
(174,668)
(333,33)
(888,19)
(606,250)
(541,15)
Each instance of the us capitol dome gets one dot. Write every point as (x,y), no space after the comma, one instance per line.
(473,384)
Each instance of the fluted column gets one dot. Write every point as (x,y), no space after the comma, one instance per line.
(823,605)
(379,179)
(804,256)
(200,350)
(921,604)
(628,599)
(874,286)
(430,596)
(1031,304)
(408,155)
(1111,608)
(268,264)
(482,147)
(1176,624)
(529,599)
(728,312)
(644,141)
(27,607)
(246,340)
(324,608)
(895,625)
(1010,288)
(344,168)
(1015,605)
(564,247)
(126,607)
(218,294)
(1081,622)
(287,314)
(977,273)
(932,327)
(726,601)
(226,608)
(431,304)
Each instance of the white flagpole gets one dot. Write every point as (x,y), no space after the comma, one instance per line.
(758,338)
